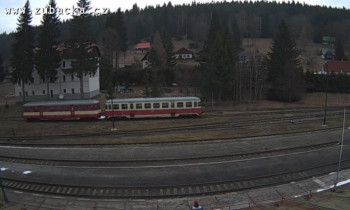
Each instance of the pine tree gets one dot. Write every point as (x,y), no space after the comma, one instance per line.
(339,52)
(47,57)
(218,71)
(158,52)
(214,28)
(285,73)
(22,50)
(121,30)
(83,61)
(116,23)
(169,48)
(80,25)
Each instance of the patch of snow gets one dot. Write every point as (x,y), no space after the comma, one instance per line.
(26,172)
(343,182)
(321,190)
(3,169)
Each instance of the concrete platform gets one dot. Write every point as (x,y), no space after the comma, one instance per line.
(313,193)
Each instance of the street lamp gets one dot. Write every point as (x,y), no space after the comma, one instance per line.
(113,124)
(326,99)
(3,191)
(341,151)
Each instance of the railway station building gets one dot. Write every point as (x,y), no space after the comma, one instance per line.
(66,86)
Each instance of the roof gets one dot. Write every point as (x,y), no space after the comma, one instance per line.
(184,51)
(58,103)
(337,66)
(143,45)
(164,99)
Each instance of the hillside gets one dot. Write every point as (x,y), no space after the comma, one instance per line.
(255,20)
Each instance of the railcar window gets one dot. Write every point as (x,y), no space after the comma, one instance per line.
(147,105)
(165,105)
(172,105)
(124,106)
(86,108)
(78,108)
(116,106)
(131,106)
(189,104)
(180,104)
(156,105)
(138,106)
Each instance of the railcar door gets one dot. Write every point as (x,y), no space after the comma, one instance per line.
(41,111)
(72,110)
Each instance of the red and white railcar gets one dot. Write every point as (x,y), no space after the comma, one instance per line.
(59,110)
(153,107)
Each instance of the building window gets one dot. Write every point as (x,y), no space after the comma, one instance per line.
(72,90)
(20,93)
(64,91)
(43,92)
(72,77)
(64,64)
(33,93)
(51,93)
(26,93)
(64,78)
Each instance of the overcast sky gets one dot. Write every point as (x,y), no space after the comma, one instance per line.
(8,22)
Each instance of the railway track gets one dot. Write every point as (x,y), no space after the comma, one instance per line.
(168,161)
(171,191)
(295,119)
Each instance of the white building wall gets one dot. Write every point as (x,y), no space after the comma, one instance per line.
(67,85)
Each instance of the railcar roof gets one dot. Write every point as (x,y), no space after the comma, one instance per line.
(57,103)
(135,100)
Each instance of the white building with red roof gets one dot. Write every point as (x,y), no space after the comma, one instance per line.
(142,47)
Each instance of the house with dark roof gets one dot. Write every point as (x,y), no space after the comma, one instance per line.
(336,67)
(184,54)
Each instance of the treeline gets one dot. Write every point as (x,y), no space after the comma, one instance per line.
(333,83)
(255,20)
(258,19)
